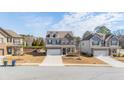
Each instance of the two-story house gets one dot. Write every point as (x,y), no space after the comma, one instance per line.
(97,44)
(60,43)
(27,39)
(10,42)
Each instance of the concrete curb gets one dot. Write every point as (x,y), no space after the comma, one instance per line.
(89,65)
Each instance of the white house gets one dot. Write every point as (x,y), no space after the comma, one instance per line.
(97,44)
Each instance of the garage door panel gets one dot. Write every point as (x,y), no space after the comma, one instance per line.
(100,52)
(53,51)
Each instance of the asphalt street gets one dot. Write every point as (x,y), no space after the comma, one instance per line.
(61,73)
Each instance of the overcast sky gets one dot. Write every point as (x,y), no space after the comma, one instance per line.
(39,23)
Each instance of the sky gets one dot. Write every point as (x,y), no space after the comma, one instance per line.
(38,23)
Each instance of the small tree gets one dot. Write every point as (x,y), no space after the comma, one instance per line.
(37,42)
(34,42)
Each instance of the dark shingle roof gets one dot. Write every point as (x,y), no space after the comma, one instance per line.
(88,37)
(60,34)
(102,36)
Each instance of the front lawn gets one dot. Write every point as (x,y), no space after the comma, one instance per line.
(26,59)
(82,60)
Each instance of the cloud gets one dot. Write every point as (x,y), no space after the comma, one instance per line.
(38,23)
(81,22)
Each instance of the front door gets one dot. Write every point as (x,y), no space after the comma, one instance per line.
(64,51)
(9,50)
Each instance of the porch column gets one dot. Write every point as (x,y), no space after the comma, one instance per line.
(66,50)
(61,51)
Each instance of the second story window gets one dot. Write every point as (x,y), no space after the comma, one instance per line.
(9,39)
(82,44)
(1,40)
(95,43)
(16,41)
(113,42)
(54,42)
(49,41)
(58,41)
(96,40)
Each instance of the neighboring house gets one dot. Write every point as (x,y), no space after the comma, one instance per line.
(97,44)
(121,39)
(10,42)
(27,39)
(60,43)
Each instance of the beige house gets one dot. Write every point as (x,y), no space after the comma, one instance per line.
(60,43)
(97,44)
(10,42)
(27,39)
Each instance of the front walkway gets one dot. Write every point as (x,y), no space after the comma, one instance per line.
(52,60)
(109,60)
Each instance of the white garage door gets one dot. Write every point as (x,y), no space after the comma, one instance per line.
(53,51)
(100,52)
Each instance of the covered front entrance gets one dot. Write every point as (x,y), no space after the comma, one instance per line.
(65,51)
(113,51)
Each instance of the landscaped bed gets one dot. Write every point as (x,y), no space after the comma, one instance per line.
(82,60)
(119,59)
(25,59)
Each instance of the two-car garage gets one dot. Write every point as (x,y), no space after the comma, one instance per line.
(100,52)
(54,51)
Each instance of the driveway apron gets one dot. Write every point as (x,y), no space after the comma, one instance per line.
(109,60)
(52,60)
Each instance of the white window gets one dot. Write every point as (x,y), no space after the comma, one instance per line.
(16,41)
(95,43)
(82,44)
(49,41)
(54,42)
(114,42)
(1,40)
(58,41)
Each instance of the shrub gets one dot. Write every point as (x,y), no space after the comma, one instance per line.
(114,55)
(123,55)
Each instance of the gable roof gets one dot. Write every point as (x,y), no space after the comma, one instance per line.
(91,35)
(88,37)
(3,32)
(9,33)
(12,33)
(102,36)
(60,34)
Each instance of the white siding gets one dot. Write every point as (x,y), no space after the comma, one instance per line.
(85,47)
(4,39)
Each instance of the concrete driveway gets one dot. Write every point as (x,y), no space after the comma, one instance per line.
(112,62)
(52,60)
